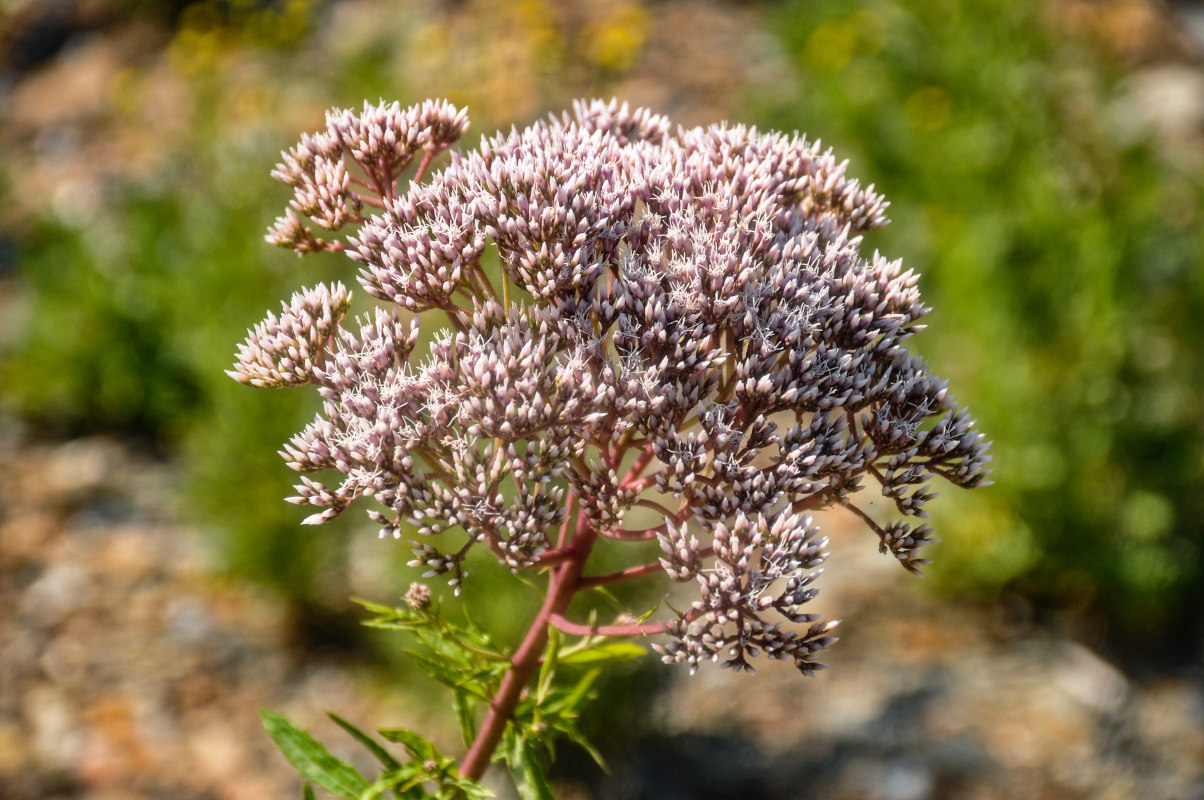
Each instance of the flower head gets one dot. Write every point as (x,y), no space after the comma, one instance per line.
(681,322)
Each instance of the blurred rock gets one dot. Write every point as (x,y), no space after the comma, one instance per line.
(74,85)
(60,590)
(1090,680)
(123,673)
(951,712)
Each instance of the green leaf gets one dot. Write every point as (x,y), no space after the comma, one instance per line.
(462,644)
(468,790)
(312,760)
(382,755)
(577,697)
(451,677)
(375,608)
(475,634)
(307,792)
(465,712)
(547,670)
(528,777)
(569,729)
(388,625)
(567,703)
(404,781)
(647,615)
(419,748)
(605,655)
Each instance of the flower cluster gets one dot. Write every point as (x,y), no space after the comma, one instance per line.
(380,142)
(632,317)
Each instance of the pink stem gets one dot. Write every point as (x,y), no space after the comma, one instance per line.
(422,165)
(370,201)
(568,515)
(639,484)
(810,502)
(561,588)
(550,558)
(625,535)
(640,463)
(631,573)
(568,626)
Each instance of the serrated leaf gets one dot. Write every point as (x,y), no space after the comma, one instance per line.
(468,789)
(312,760)
(528,777)
(448,676)
(605,655)
(443,645)
(578,695)
(467,716)
(375,608)
(547,670)
(474,633)
(570,730)
(382,755)
(402,780)
(419,748)
(388,625)
(565,702)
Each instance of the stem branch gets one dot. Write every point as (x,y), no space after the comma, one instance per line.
(576,629)
(631,573)
(564,583)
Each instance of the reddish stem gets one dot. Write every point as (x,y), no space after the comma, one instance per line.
(655,506)
(576,629)
(602,442)
(565,581)
(639,484)
(370,201)
(569,500)
(866,518)
(640,463)
(550,558)
(563,584)
(626,535)
(631,573)
(422,165)
(810,502)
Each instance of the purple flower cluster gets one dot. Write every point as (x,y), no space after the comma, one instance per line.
(631,316)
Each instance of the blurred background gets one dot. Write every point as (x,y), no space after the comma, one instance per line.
(1045,164)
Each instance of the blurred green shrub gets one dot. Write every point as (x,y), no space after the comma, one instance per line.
(131,320)
(272,23)
(1064,256)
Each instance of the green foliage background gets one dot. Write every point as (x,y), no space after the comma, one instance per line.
(1063,256)
(1060,249)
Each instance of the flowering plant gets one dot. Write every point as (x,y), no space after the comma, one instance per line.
(636,322)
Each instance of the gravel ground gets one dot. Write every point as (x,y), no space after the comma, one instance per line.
(128,671)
